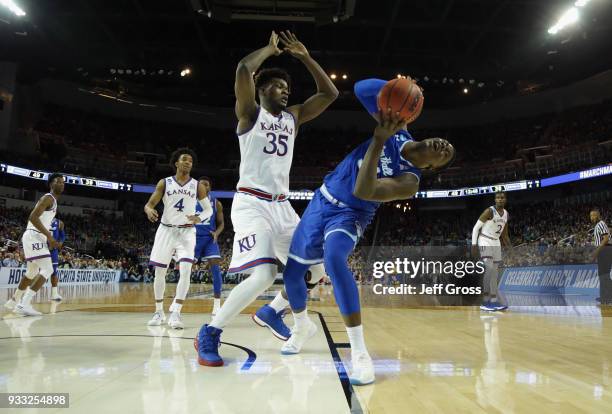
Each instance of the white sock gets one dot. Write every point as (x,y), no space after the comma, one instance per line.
(301,319)
(246,292)
(176,307)
(355,335)
(279,303)
(18,295)
(27,296)
(53,291)
(216,303)
(159,284)
(159,306)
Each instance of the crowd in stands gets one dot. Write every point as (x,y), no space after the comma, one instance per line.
(556,232)
(104,147)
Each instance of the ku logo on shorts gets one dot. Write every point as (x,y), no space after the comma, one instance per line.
(247,243)
(38,246)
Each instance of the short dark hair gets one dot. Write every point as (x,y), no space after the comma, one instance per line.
(184,150)
(500,192)
(52,177)
(264,76)
(205,178)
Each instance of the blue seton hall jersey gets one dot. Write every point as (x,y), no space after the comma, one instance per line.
(208,224)
(340,183)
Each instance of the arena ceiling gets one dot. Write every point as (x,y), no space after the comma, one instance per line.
(491,48)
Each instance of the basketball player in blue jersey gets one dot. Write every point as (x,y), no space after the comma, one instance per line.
(262,217)
(207,248)
(176,233)
(57,228)
(384,168)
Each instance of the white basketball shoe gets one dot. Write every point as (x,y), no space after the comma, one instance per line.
(158,318)
(298,338)
(175,321)
(26,310)
(363,369)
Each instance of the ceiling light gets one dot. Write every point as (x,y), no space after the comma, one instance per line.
(10,4)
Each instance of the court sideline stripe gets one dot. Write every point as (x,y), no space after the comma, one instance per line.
(351,399)
(246,366)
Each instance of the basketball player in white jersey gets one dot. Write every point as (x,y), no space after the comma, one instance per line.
(37,243)
(176,232)
(263,219)
(486,235)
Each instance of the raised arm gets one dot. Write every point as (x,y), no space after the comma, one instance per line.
(43,204)
(371,188)
(326,90)
(367,92)
(154,200)
(244,86)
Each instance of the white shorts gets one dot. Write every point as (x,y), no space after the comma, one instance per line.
(35,245)
(489,248)
(170,241)
(263,231)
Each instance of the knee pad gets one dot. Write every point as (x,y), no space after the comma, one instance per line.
(314,276)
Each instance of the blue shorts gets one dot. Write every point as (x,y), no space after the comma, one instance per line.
(207,248)
(320,219)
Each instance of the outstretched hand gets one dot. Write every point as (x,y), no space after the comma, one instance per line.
(389,123)
(292,45)
(273,43)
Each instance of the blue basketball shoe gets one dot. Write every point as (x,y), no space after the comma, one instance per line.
(488,307)
(267,317)
(207,344)
(499,306)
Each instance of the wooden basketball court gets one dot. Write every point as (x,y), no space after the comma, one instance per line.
(429,359)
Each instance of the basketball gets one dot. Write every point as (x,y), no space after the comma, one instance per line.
(402,95)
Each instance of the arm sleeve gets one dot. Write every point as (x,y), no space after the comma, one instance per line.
(206,208)
(476,231)
(366,91)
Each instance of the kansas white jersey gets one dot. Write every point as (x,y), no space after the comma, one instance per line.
(266,152)
(46,217)
(493,228)
(179,201)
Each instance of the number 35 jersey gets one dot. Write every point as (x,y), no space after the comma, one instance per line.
(179,201)
(266,152)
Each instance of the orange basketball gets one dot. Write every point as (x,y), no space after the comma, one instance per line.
(402,95)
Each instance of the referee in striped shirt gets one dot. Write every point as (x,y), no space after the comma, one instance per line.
(603,256)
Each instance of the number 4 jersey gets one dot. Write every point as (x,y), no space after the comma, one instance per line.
(179,201)
(266,152)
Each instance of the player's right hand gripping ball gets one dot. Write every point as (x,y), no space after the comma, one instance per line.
(402,95)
